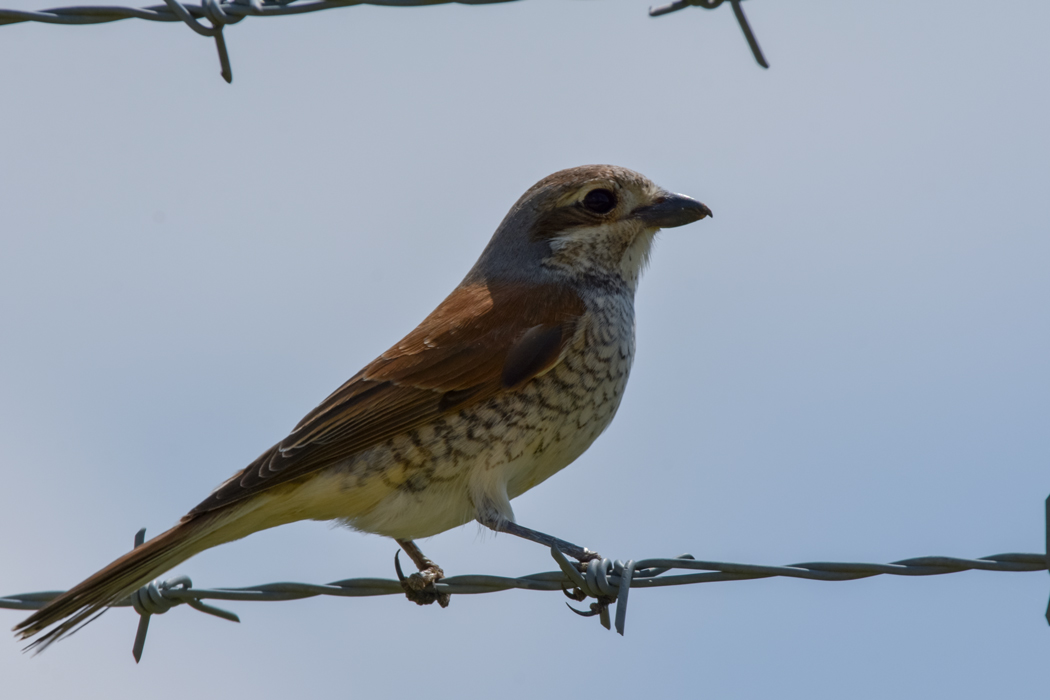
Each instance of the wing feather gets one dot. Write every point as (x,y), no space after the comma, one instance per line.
(481,341)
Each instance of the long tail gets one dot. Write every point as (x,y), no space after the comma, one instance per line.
(80,604)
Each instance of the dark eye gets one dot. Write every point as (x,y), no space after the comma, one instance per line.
(599,201)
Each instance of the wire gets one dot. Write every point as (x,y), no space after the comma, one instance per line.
(605,580)
(220,13)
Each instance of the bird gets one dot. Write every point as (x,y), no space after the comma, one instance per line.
(509,380)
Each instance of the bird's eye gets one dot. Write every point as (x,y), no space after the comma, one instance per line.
(599,201)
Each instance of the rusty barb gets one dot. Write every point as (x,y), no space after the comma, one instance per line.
(219,13)
(606,581)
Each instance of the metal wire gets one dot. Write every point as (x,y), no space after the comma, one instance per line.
(738,12)
(605,580)
(220,13)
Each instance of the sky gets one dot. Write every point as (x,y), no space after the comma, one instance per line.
(847,363)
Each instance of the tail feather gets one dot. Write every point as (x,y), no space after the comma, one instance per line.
(90,598)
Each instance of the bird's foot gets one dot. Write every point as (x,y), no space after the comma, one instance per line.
(587,555)
(583,556)
(419,587)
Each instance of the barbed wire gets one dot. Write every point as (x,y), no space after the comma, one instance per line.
(607,581)
(220,13)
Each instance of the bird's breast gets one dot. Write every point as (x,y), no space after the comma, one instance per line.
(435,477)
(576,401)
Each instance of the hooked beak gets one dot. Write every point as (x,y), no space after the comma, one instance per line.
(672,210)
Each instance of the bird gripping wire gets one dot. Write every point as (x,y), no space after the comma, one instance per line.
(605,580)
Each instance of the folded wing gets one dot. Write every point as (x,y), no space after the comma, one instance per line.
(481,341)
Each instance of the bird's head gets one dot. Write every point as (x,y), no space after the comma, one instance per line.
(594,221)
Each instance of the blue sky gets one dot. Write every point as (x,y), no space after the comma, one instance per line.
(847,363)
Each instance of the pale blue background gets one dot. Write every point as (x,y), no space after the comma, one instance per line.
(849,362)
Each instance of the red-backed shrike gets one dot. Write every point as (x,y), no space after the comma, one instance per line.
(509,380)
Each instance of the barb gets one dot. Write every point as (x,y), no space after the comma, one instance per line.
(220,13)
(156,598)
(738,11)
(605,580)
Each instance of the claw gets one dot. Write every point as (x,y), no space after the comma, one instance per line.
(575,594)
(397,567)
(581,613)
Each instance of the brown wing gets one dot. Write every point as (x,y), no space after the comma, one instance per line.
(480,341)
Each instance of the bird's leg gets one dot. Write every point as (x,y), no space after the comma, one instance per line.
(419,588)
(511,528)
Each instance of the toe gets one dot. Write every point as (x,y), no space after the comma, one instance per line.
(420,589)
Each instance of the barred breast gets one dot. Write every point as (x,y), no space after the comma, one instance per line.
(473,462)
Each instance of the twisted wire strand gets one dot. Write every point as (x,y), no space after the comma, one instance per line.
(647,573)
(605,580)
(175,11)
(220,13)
